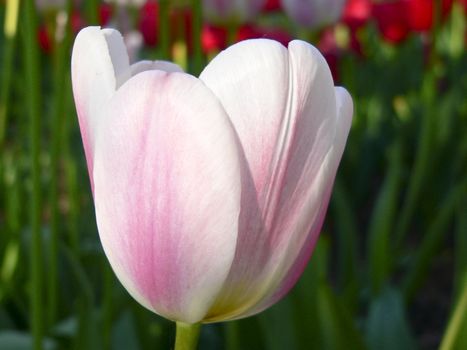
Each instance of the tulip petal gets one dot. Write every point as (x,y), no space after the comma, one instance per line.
(326,177)
(99,65)
(165,66)
(167,192)
(283,107)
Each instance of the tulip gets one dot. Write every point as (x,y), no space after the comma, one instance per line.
(43,38)
(235,11)
(356,13)
(314,13)
(149,22)
(213,38)
(392,20)
(209,192)
(272,6)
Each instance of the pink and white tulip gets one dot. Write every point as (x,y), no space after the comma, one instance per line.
(238,11)
(209,192)
(314,13)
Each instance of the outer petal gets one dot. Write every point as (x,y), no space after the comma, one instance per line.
(326,177)
(165,66)
(283,107)
(99,65)
(167,192)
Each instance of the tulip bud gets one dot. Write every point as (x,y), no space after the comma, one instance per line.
(209,192)
(314,13)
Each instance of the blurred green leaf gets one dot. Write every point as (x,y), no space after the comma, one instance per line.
(338,330)
(12,340)
(347,245)
(431,241)
(386,326)
(278,326)
(244,334)
(382,222)
(460,246)
(66,328)
(455,337)
(124,334)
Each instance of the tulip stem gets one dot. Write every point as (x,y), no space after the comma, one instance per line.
(196,29)
(32,92)
(10,29)
(164,29)
(187,336)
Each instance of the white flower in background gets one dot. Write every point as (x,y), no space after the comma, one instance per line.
(314,13)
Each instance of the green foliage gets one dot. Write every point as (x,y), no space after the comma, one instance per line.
(396,230)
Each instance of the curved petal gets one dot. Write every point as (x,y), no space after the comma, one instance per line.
(167,192)
(99,65)
(326,178)
(283,106)
(165,66)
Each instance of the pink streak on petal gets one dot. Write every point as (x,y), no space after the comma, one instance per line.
(283,107)
(344,120)
(167,192)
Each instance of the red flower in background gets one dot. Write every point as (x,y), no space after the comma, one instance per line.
(105,13)
(391,18)
(420,14)
(272,5)
(396,19)
(463,3)
(331,52)
(356,13)
(43,38)
(249,31)
(213,38)
(149,22)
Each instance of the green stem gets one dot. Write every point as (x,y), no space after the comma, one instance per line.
(232,29)
(91,9)
(10,29)
(347,248)
(422,162)
(460,246)
(31,62)
(197,8)
(187,336)
(381,223)
(70,170)
(58,111)
(107,303)
(164,28)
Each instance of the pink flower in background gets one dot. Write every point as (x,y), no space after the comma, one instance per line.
(356,13)
(313,13)
(238,11)
(209,192)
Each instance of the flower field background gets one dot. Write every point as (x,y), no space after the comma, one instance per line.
(390,268)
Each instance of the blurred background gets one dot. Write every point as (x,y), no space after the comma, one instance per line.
(390,268)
